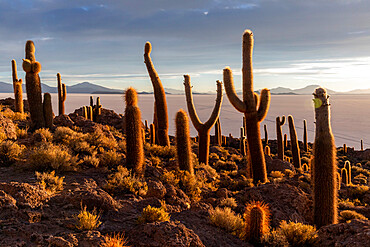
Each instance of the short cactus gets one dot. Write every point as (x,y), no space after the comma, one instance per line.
(253,106)
(183,147)
(285,141)
(33,86)
(362,145)
(202,128)
(344,149)
(160,99)
(324,166)
(305,145)
(48,111)
(84,112)
(62,95)
(90,113)
(17,87)
(344,176)
(266,135)
(134,140)
(97,110)
(294,143)
(152,134)
(257,221)
(347,165)
(267,151)
(279,137)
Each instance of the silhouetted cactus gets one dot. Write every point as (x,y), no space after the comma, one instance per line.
(347,165)
(146,125)
(33,86)
(324,164)
(218,136)
(294,143)
(362,145)
(267,150)
(48,111)
(224,142)
(279,137)
(91,101)
(344,175)
(257,221)
(152,134)
(134,140)
(243,150)
(305,145)
(305,167)
(344,148)
(160,99)
(254,108)
(17,87)
(97,110)
(285,141)
(62,95)
(84,112)
(266,135)
(202,128)
(183,147)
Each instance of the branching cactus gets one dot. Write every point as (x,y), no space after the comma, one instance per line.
(254,108)
(279,137)
(17,87)
(324,164)
(218,136)
(160,99)
(305,145)
(202,128)
(266,135)
(294,143)
(183,147)
(48,111)
(33,86)
(134,140)
(62,95)
(97,110)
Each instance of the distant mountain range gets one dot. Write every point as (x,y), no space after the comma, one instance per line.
(90,88)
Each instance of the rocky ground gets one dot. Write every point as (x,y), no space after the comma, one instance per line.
(89,157)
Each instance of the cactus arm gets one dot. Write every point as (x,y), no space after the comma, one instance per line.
(189,100)
(264,104)
(230,91)
(247,69)
(14,72)
(216,110)
(64,92)
(283,119)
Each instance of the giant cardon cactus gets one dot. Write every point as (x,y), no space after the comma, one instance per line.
(294,143)
(62,95)
(202,128)
(33,86)
(183,146)
(253,106)
(324,166)
(160,99)
(17,87)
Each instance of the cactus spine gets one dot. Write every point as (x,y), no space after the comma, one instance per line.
(294,143)
(279,137)
(218,137)
(347,165)
(33,86)
(305,145)
(152,134)
(17,87)
(48,111)
(62,95)
(160,99)
(254,108)
(134,140)
(266,135)
(202,128)
(183,147)
(324,163)
(257,220)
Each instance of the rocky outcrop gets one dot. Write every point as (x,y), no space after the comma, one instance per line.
(7,127)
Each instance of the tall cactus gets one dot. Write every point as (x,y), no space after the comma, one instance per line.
(17,87)
(160,99)
(254,108)
(48,111)
(134,140)
(285,141)
(183,146)
(202,128)
(218,136)
(62,95)
(324,164)
(97,110)
(305,145)
(243,149)
(266,134)
(294,143)
(152,134)
(279,136)
(33,86)
(84,112)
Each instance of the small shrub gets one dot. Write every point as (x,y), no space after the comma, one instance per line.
(2,136)
(155,161)
(211,172)
(213,156)
(228,202)
(226,219)
(190,185)
(10,152)
(124,182)
(49,181)
(152,214)
(227,166)
(110,158)
(99,139)
(160,151)
(43,135)
(298,234)
(360,179)
(90,160)
(114,241)
(14,116)
(277,174)
(86,220)
(170,177)
(274,239)
(21,133)
(288,173)
(348,215)
(65,135)
(357,191)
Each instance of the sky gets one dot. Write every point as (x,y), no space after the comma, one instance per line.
(297,42)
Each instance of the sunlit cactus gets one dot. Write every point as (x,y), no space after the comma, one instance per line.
(344,176)
(62,95)
(134,140)
(347,165)
(253,106)
(294,143)
(257,221)
(279,136)
(218,136)
(97,110)
(90,113)
(17,87)
(84,112)
(339,180)
(48,111)
(202,128)
(305,145)
(160,99)
(267,150)
(324,164)
(91,101)
(183,146)
(152,134)
(33,86)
